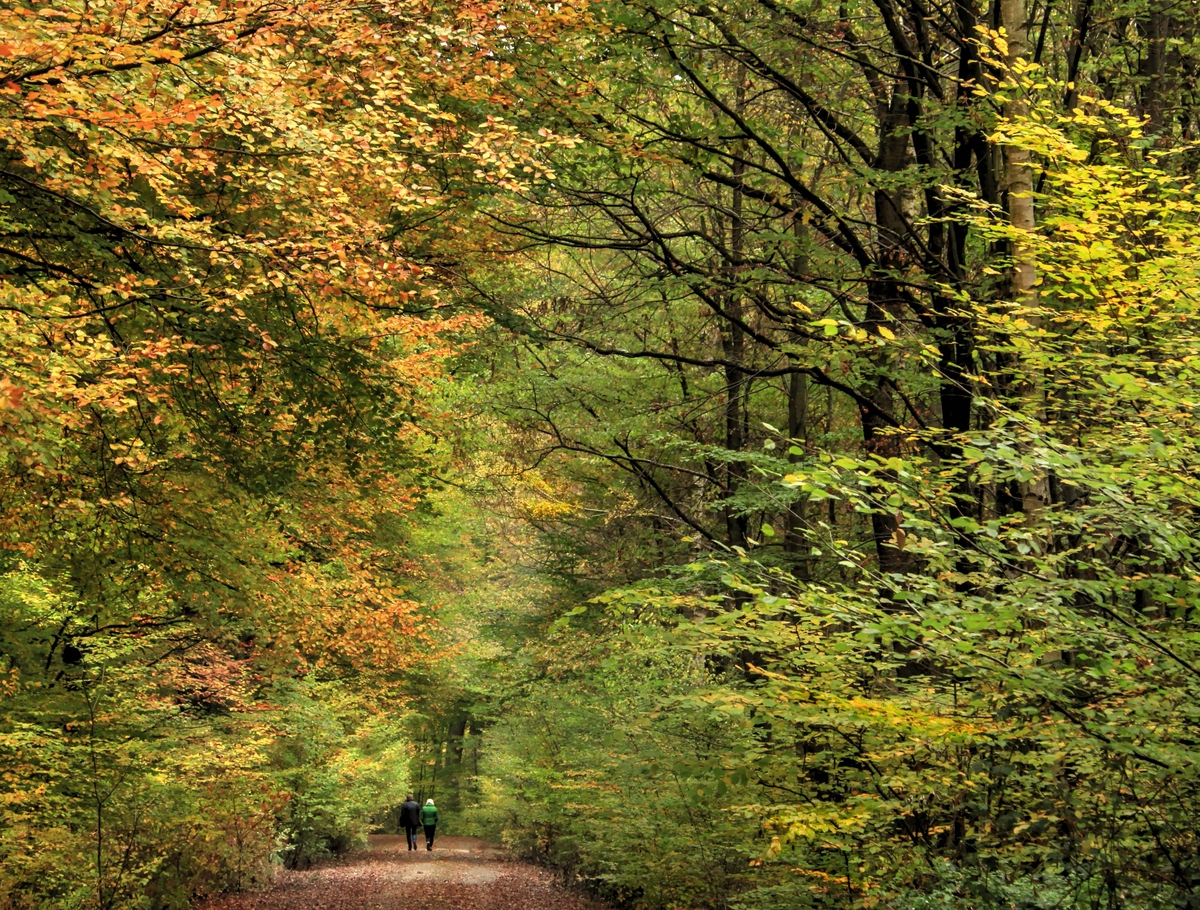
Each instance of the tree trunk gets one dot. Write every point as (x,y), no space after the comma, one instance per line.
(795,541)
(1155,29)
(733,340)
(1018,178)
(885,304)
(1017,161)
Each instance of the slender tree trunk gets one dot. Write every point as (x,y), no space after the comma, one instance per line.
(1018,181)
(1155,29)
(733,340)
(795,542)
(1018,168)
(885,304)
(458,727)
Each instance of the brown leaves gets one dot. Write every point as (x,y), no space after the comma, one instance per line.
(460,874)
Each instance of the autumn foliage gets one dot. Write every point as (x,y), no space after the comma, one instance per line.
(741,453)
(221,305)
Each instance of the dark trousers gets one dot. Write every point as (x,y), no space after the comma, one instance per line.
(429,836)
(410,834)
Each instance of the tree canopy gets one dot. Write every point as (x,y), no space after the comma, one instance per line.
(742,456)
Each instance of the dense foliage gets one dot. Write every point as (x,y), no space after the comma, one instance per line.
(1009,722)
(917,464)
(742,456)
(219,325)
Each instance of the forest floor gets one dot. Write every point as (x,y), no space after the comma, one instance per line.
(461,873)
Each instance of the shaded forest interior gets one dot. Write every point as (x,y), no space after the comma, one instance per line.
(740,456)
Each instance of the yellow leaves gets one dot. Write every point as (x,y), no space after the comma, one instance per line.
(543,510)
(539,500)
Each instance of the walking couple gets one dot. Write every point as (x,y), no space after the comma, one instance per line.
(413,816)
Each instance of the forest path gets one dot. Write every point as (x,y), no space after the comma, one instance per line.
(461,873)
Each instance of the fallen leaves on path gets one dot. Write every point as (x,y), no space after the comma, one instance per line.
(460,874)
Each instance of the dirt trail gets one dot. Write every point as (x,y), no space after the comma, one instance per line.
(461,873)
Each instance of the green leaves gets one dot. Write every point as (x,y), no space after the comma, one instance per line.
(1006,716)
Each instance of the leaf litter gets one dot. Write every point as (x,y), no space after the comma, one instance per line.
(459,874)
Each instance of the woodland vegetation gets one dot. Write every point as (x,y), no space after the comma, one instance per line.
(744,456)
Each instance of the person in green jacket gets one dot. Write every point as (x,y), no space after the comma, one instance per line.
(429,820)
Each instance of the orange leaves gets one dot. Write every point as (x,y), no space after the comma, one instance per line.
(229,227)
(10,395)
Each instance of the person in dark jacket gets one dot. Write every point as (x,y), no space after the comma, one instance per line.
(410,819)
(429,820)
